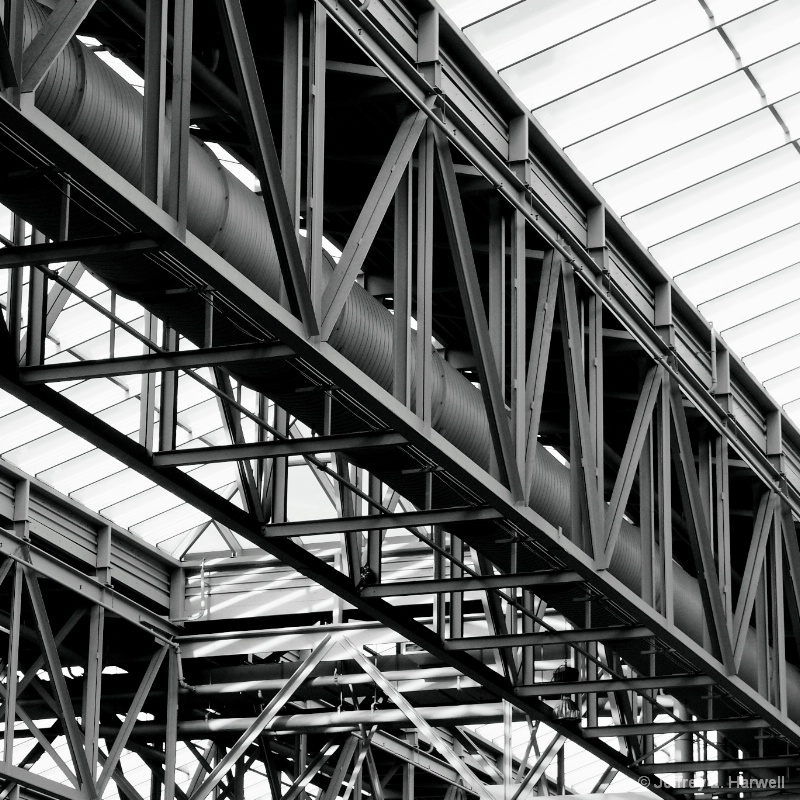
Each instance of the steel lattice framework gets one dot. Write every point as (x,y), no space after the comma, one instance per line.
(502,395)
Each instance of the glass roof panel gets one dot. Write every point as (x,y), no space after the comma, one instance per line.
(764,329)
(789,111)
(47,451)
(666,126)
(766,30)
(609,48)
(716,196)
(694,161)
(725,10)
(786,387)
(775,359)
(80,471)
(728,233)
(758,297)
(777,75)
(111,489)
(743,266)
(466,12)
(535,25)
(637,89)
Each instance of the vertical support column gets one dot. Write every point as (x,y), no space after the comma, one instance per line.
(518,148)
(155,88)
(664,482)
(723,529)
(168,411)
(148,388)
(408,770)
(424,356)
(16,279)
(778,619)
(103,563)
(374,537)
(22,500)
(402,287)
(292,104)
(280,470)
(663,313)
(315,179)
(171,734)
(722,385)
(596,243)
(93,687)
(181,99)
(439,567)
(37,310)
(177,594)
(428,61)
(456,598)
(528,652)
(12,666)
(497,302)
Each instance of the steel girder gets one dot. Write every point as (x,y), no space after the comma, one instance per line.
(587,561)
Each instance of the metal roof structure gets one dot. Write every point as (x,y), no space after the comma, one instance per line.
(391,463)
(685,115)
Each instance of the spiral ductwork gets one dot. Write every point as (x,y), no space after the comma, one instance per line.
(104,113)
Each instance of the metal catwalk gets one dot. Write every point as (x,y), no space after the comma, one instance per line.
(559,501)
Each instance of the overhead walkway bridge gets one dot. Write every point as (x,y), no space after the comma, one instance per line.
(483,472)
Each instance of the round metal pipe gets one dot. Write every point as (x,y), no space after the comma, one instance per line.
(327,721)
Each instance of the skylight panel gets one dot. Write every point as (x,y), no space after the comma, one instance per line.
(775,359)
(716,196)
(535,25)
(47,450)
(742,266)
(764,32)
(757,297)
(725,10)
(734,230)
(786,387)
(789,111)
(111,489)
(637,89)
(777,75)
(764,329)
(465,12)
(708,155)
(669,125)
(80,471)
(602,51)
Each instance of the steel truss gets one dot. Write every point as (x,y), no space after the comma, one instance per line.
(580,346)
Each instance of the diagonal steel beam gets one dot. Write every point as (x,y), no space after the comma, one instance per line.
(268,166)
(417,720)
(697,528)
(71,729)
(470,290)
(539,357)
(312,768)
(586,461)
(51,39)
(263,719)
(765,517)
(369,220)
(8,75)
(630,459)
(536,772)
(115,753)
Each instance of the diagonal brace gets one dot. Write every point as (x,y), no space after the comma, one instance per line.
(470,290)
(369,220)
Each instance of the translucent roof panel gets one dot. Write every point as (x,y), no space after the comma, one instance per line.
(686,116)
